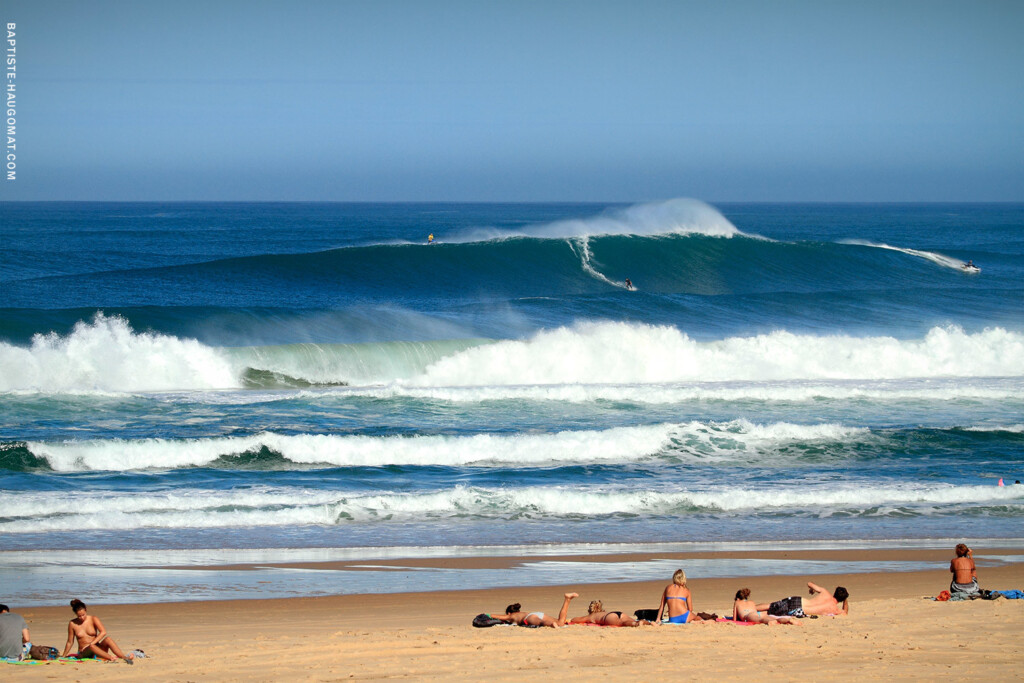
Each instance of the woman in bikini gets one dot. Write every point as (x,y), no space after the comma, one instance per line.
(596,614)
(514,615)
(93,640)
(679,601)
(744,609)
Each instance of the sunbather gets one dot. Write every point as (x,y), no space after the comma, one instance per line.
(965,576)
(744,609)
(596,614)
(679,600)
(93,640)
(514,615)
(820,603)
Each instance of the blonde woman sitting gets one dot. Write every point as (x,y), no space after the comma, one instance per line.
(679,600)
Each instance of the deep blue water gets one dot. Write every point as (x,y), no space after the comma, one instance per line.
(318,375)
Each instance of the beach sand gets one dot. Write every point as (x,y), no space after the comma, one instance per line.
(892,632)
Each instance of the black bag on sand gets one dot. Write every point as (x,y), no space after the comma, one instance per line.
(485,620)
(43,652)
(646,614)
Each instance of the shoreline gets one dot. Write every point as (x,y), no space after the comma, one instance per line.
(127,577)
(422,634)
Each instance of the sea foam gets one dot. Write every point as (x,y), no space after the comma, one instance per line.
(698,441)
(283,506)
(106,355)
(626,353)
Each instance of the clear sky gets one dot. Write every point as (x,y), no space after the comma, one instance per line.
(385,100)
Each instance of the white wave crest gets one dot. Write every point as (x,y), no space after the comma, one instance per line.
(265,507)
(792,391)
(620,444)
(633,353)
(106,355)
(945,261)
(1013,429)
(679,216)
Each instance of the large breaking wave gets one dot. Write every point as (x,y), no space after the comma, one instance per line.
(106,355)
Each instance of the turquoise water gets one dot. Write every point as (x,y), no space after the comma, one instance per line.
(271,376)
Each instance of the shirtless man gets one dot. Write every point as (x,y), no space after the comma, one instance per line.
(820,603)
(92,637)
(965,576)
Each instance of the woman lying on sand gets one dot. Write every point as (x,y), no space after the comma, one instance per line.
(679,600)
(514,615)
(744,609)
(597,615)
(93,640)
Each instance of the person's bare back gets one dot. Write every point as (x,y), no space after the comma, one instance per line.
(821,602)
(962,566)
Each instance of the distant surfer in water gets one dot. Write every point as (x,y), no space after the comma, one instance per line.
(629,283)
(430,238)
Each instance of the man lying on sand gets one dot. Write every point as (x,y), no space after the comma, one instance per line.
(965,576)
(820,603)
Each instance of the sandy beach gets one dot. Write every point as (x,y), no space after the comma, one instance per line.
(891,632)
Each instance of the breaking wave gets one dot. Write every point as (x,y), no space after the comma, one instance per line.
(281,506)
(106,355)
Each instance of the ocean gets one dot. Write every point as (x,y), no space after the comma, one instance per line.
(319,380)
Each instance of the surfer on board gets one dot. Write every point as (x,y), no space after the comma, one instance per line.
(629,283)
(430,238)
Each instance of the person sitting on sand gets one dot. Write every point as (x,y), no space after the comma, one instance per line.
(679,601)
(596,614)
(744,609)
(820,603)
(965,576)
(13,634)
(514,615)
(93,640)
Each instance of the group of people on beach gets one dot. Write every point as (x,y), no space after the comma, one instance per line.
(87,630)
(677,600)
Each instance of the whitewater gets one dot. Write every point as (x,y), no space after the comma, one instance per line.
(318,376)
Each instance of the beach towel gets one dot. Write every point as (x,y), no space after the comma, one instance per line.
(39,662)
(1012,594)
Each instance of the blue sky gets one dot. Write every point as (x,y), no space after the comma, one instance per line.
(519,101)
